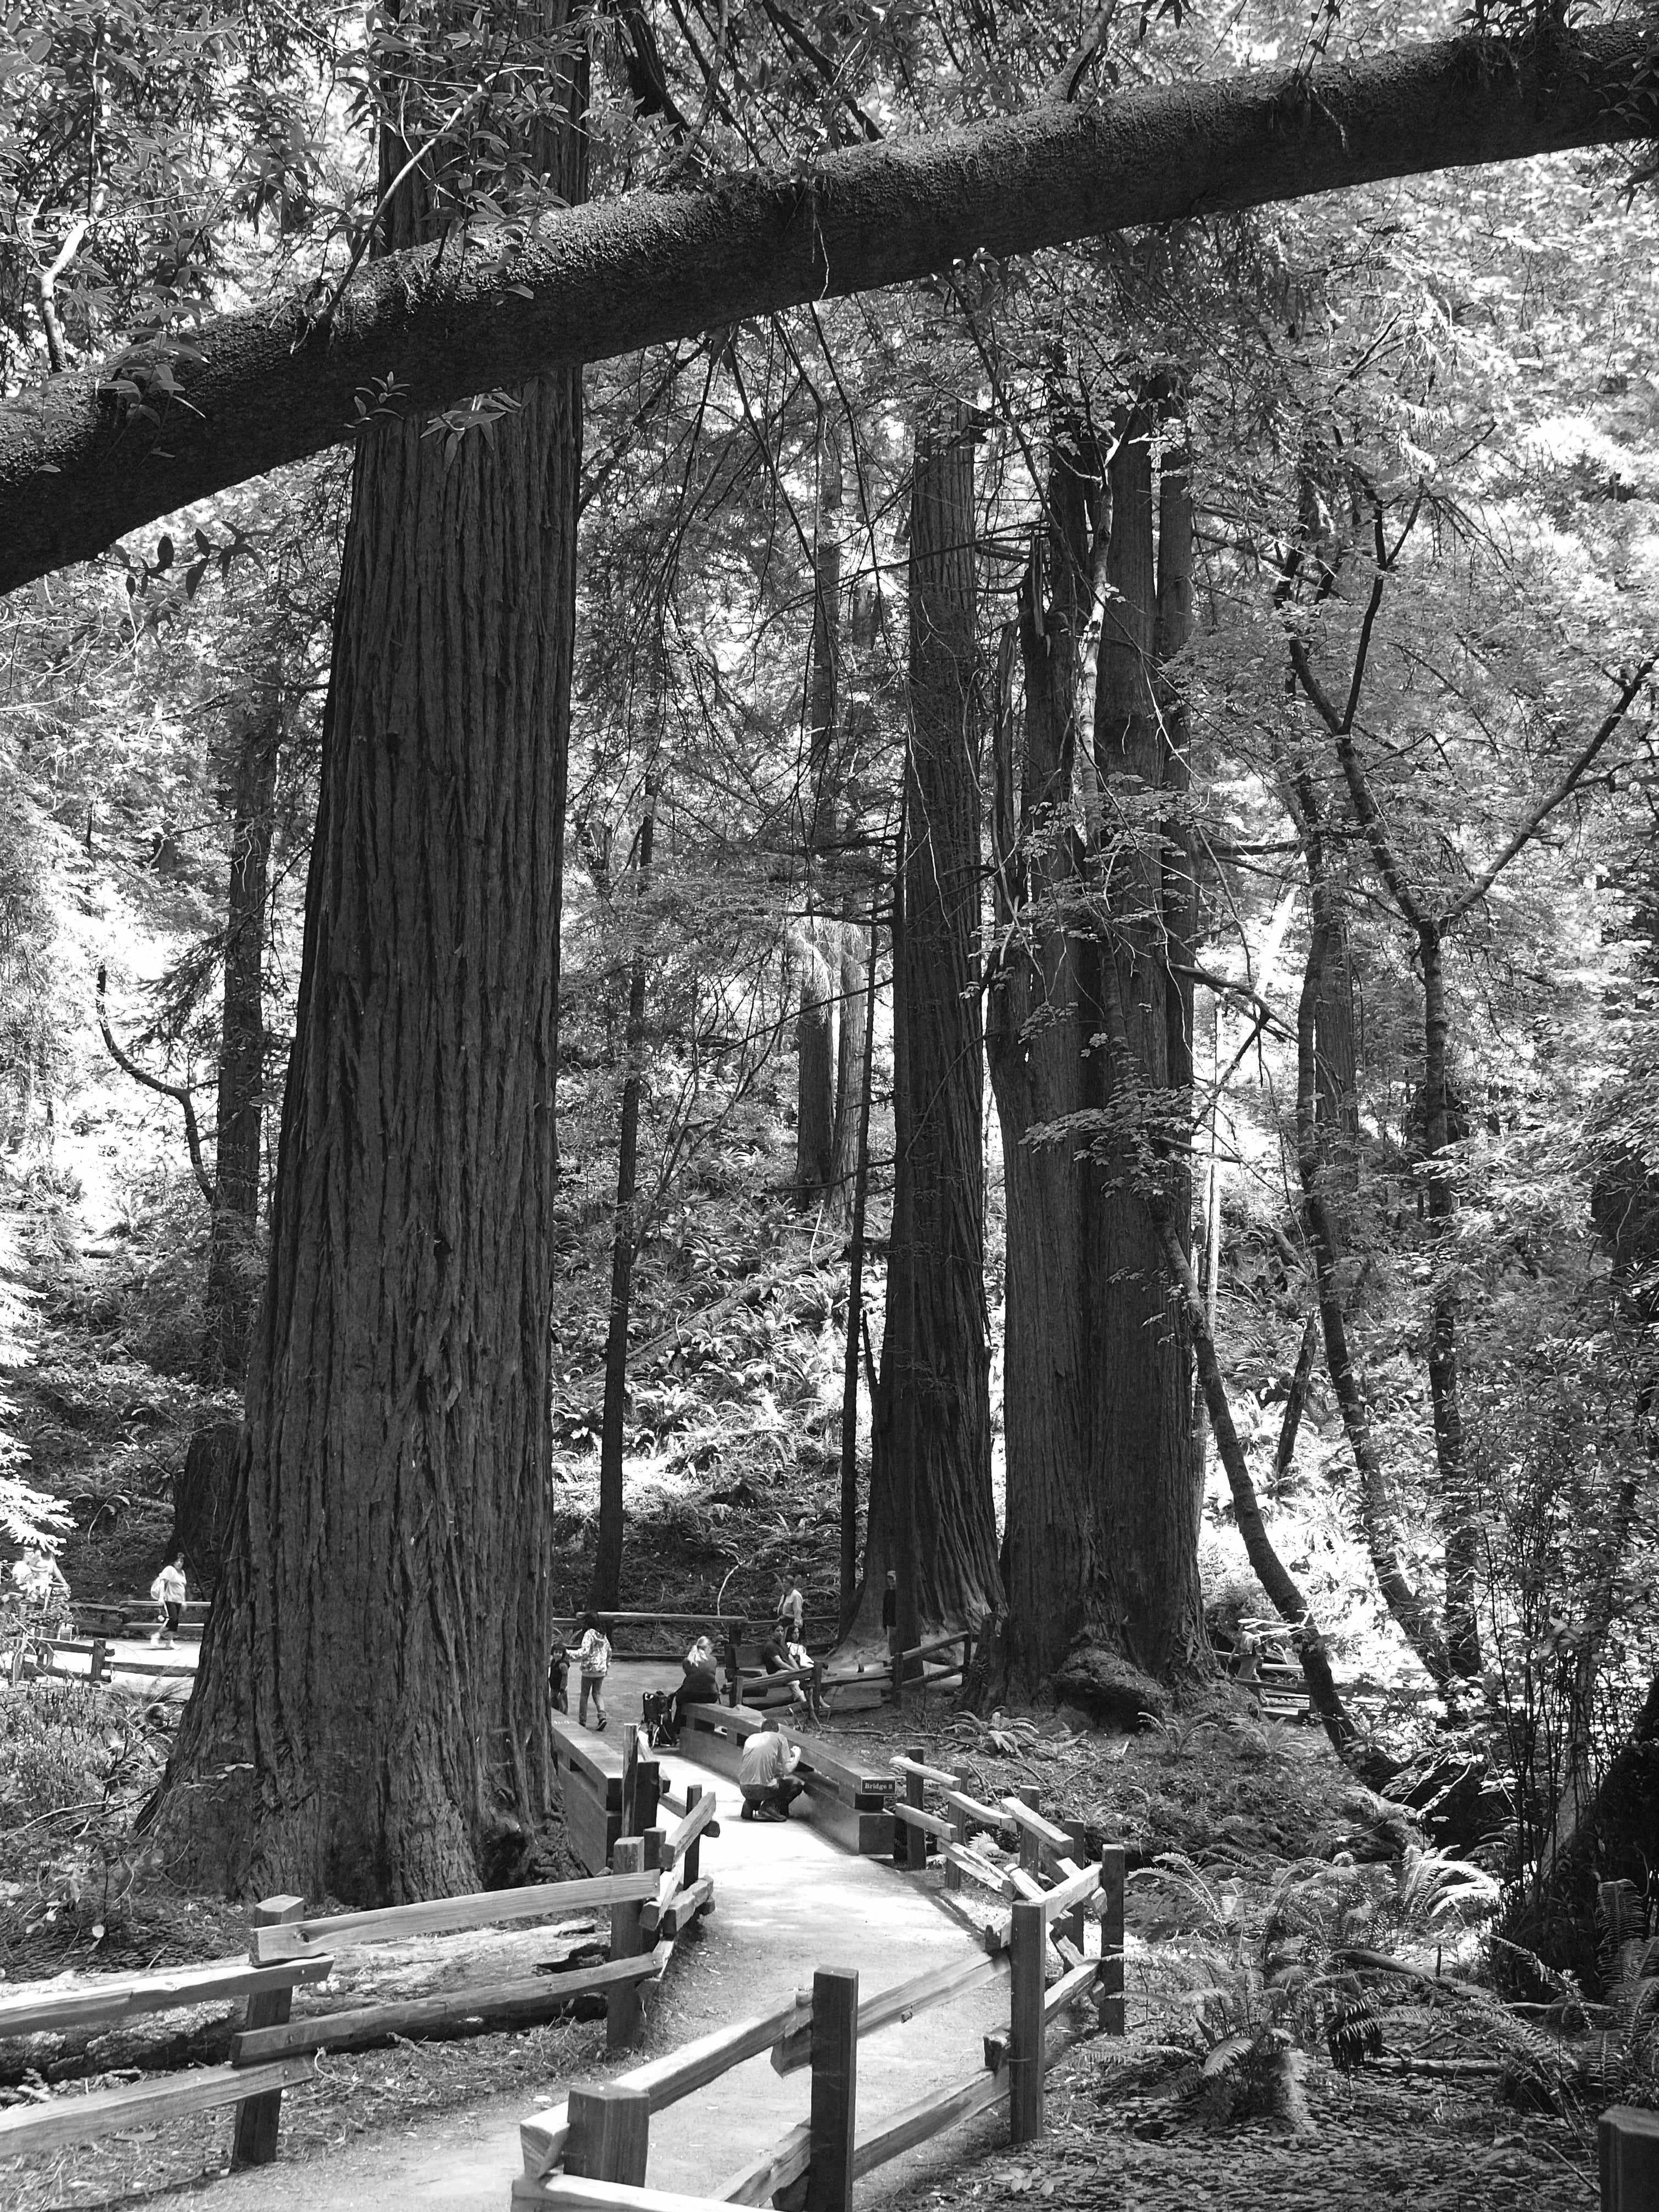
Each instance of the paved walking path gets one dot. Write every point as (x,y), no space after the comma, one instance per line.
(787,1901)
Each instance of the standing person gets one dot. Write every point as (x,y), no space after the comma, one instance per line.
(889,1603)
(558,1677)
(766,1775)
(168,1590)
(593,1663)
(792,1612)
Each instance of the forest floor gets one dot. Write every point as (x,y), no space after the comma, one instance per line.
(1249,1843)
(1268,1811)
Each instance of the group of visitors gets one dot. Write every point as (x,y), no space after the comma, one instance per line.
(42,1595)
(766,1774)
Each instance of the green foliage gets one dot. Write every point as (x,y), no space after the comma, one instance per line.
(76,1764)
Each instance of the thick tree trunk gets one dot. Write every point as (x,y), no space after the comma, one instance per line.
(232,1280)
(370,1719)
(203,1495)
(931,1466)
(821,963)
(1147,1604)
(606,1590)
(1034,1041)
(269,385)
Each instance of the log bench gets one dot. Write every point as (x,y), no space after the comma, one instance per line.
(852,1804)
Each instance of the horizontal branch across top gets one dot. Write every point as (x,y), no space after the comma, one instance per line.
(82,460)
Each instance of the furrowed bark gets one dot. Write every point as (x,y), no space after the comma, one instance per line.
(92,455)
(370,1717)
(1032,1037)
(933,1447)
(1148,1604)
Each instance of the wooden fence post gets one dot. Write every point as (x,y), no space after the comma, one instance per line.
(1108,1983)
(734,1673)
(953,1874)
(694,1850)
(835,2090)
(258,2118)
(609,2136)
(1025,2022)
(631,1778)
(1071,1925)
(1031,1846)
(910,1845)
(647,1795)
(624,2008)
(1627,2142)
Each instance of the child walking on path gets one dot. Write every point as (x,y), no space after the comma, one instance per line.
(594,1662)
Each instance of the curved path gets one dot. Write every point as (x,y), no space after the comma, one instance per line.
(787,1901)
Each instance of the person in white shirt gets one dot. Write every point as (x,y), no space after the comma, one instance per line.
(593,1663)
(792,1612)
(168,1590)
(766,1776)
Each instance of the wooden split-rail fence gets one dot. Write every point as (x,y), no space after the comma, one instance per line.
(593,2150)
(39,1656)
(654,1892)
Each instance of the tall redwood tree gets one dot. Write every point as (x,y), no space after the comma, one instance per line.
(370,1717)
(931,1513)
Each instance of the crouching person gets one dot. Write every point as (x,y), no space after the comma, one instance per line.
(767,1775)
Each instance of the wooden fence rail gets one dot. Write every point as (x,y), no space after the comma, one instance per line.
(656,1892)
(575,2155)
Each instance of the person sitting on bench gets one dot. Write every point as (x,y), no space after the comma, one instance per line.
(776,1659)
(700,1686)
(766,1776)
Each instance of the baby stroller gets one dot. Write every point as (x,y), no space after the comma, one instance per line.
(657,1718)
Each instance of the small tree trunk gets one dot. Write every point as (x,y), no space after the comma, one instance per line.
(1459,1521)
(1296,1403)
(606,1590)
(849,1386)
(1413,1618)
(821,965)
(1265,1562)
(850,1055)
(233,1283)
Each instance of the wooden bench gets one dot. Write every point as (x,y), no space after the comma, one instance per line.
(590,1769)
(748,1683)
(136,1616)
(852,1804)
